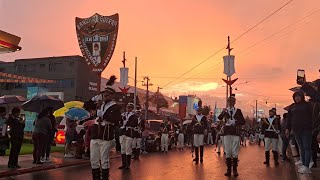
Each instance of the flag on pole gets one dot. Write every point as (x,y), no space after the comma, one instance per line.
(229,69)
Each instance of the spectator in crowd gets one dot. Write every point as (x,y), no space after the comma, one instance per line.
(80,144)
(145,135)
(4,139)
(17,125)
(300,122)
(210,139)
(315,133)
(41,132)
(285,139)
(48,143)
(70,136)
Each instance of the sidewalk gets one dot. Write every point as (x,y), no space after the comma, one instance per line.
(315,171)
(57,161)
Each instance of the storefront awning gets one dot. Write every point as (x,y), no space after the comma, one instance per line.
(9,42)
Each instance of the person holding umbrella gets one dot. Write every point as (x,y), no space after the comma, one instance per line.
(16,137)
(40,135)
(103,131)
(4,139)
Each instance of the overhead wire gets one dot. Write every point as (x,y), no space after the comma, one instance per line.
(281,30)
(265,39)
(236,39)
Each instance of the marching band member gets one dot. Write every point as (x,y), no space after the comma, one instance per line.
(234,119)
(136,146)
(165,128)
(271,129)
(180,137)
(102,132)
(129,126)
(200,124)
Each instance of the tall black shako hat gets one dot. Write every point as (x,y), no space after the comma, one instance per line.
(232,99)
(273,110)
(130,105)
(110,83)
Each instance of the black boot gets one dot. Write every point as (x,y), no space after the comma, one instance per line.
(235,166)
(196,151)
(228,162)
(267,154)
(96,174)
(201,154)
(124,160)
(276,157)
(134,153)
(105,174)
(138,152)
(128,162)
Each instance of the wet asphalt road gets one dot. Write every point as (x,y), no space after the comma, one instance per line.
(178,165)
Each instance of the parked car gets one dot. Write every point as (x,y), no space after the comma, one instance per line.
(154,140)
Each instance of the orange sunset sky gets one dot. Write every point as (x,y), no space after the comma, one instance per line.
(169,37)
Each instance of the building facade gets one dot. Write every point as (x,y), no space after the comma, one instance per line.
(72,76)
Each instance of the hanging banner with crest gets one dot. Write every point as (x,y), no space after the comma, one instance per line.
(229,69)
(97,37)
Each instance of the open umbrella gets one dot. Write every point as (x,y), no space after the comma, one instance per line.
(38,103)
(9,99)
(77,114)
(67,106)
(72,104)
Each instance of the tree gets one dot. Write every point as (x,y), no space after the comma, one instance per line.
(159,100)
(206,110)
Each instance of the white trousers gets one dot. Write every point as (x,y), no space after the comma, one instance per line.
(136,143)
(231,145)
(126,144)
(219,146)
(210,140)
(198,140)
(180,140)
(271,141)
(99,150)
(280,144)
(164,142)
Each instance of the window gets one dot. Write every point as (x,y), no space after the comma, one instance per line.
(29,68)
(42,65)
(71,64)
(51,67)
(56,67)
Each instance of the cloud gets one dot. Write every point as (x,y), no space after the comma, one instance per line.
(195,86)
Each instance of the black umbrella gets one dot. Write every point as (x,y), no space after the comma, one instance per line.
(38,103)
(8,99)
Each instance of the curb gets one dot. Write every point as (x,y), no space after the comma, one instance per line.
(294,160)
(45,168)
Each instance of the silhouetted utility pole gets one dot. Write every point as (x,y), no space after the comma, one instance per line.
(158,94)
(146,83)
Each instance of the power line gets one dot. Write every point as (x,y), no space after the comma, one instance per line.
(262,21)
(285,28)
(273,13)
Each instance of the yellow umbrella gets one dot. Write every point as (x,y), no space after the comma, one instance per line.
(73,104)
(67,106)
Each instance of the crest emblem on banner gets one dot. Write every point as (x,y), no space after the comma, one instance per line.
(97,37)
(229,69)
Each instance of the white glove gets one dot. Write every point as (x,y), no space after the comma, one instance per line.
(97,98)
